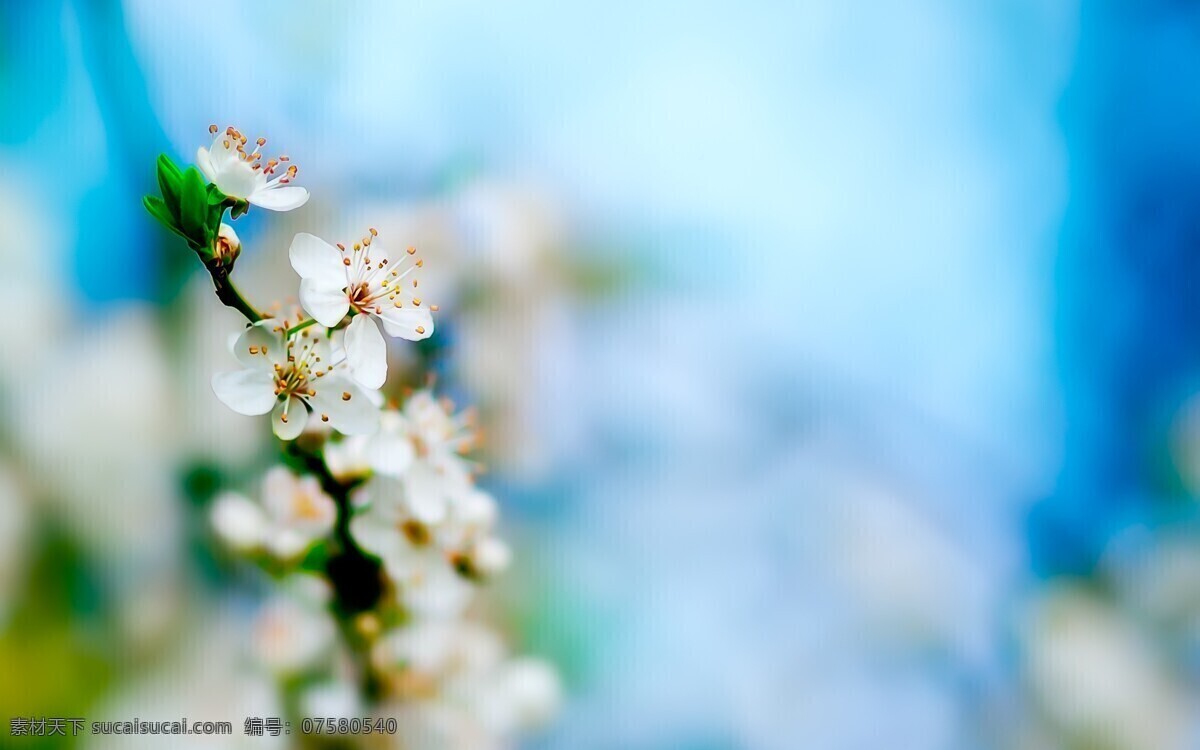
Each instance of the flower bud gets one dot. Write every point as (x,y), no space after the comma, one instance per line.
(227,246)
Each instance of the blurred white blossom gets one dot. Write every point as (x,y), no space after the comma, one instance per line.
(123,431)
(1098,680)
(459,687)
(203,678)
(294,631)
(294,513)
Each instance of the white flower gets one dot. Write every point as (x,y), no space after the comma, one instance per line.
(241,174)
(293,632)
(333,698)
(420,447)
(123,438)
(389,451)
(466,534)
(520,695)
(203,674)
(365,279)
(288,376)
(439,436)
(414,558)
(459,673)
(488,556)
(432,563)
(439,473)
(295,512)
(1096,675)
(440,649)
(238,521)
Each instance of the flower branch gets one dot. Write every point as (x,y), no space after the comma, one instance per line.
(380,501)
(229,294)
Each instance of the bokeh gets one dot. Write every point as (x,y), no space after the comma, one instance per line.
(838,361)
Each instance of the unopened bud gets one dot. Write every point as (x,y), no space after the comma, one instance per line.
(227,246)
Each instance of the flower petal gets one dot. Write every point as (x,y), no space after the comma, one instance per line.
(249,392)
(327,303)
(259,348)
(345,458)
(279,486)
(475,508)
(412,323)
(349,410)
(374,532)
(492,555)
(279,198)
(297,417)
(426,492)
(366,352)
(239,521)
(220,154)
(438,593)
(314,258)
(205,164)
(298,503)
(389,453)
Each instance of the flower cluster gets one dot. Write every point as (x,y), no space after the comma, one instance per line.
(374,506)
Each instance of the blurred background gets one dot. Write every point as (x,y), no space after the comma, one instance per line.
(838,362)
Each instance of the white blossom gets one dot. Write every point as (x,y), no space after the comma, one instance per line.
(440,649)
(1095,675)
(242,174)
(461,689)
(291,634)
(520,695)
(334,699)
(419,447)
(389,451)
(489,556)
(290,376)
(414,558)
(367,281)
(294,513)
(203,674)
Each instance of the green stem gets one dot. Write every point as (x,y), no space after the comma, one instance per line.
(301,326)
(356,576)
(229,294)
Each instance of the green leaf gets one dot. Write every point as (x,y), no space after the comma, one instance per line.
(159,211)
(193,207)
(217,203)
(215,196)
(168,182)
(215,214)
(239,207)
(166,165)
(316,559)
